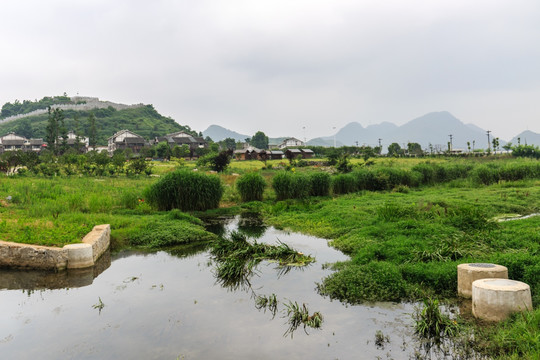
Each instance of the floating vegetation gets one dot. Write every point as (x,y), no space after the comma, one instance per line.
(381,339)
(299,315)
(100,305)
(267,302)
(236,258)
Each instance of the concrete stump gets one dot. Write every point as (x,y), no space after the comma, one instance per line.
(496,299)
(79,256)
(468,273)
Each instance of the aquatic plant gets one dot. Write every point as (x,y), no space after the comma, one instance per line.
(267,302)
(432,324)
(236,258)
(299,315)
(100,305)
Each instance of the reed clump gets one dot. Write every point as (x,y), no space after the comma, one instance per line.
(251,186)
(185,190)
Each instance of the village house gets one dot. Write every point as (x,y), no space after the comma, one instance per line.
(182,138)
(125,139)
(72,139)
(14,142)
(289,142)
(303,153)
(252,153)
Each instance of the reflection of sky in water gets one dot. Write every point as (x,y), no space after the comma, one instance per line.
(159,306)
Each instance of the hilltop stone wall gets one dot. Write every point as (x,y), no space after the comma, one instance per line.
(91,103)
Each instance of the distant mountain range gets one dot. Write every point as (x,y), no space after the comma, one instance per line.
(527,137)
(432,129)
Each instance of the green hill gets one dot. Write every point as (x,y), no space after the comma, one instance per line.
(143,120)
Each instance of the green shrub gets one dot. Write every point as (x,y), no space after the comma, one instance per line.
(343,184)
(376,281)
(320,184)
(185,190)
(158,234)
(251,186)
(427,172)
(440,278)
(470,218)
(301,186)
(365,180)
(288,185)
(485,175)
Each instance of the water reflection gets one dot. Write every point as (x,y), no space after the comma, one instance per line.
(39,279)
(166,305)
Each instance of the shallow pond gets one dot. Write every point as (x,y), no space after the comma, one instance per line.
(168,305)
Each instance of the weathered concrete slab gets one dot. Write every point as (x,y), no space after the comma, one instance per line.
(25,256)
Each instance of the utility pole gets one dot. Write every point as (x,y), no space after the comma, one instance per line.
(451,147)
(334,128)
(489,144)
(380,142)
(305,140)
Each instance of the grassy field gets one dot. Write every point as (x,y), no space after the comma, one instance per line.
(405,242)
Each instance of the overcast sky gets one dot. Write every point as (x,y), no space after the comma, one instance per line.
(282,65)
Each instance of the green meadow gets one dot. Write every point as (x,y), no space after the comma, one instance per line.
(405,223)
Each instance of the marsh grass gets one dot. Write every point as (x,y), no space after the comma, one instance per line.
(432,324)
(298,315)
(236,258)
(185,190)
(269,302)
(251,186)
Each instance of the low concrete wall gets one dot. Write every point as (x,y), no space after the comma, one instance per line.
(24,256)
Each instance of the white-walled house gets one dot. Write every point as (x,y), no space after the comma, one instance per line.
(125,139)
(290,142)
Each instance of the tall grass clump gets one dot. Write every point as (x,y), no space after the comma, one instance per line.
(376,281)
(343,184)
(251,186)
(320,184)
(288,185)
(369,180)
(185,190)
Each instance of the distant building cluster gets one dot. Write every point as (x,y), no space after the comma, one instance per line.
(252,153)
(14,142)
(126,139)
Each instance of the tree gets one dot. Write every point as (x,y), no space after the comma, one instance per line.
(414,149)
(62,132)
(260,140)
(92,136)
(229,143)
(163,150)
(394,149)
(24,128)
(78,143)
(54,123)
(180,151)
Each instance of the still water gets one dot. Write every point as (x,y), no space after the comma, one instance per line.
(168,305)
